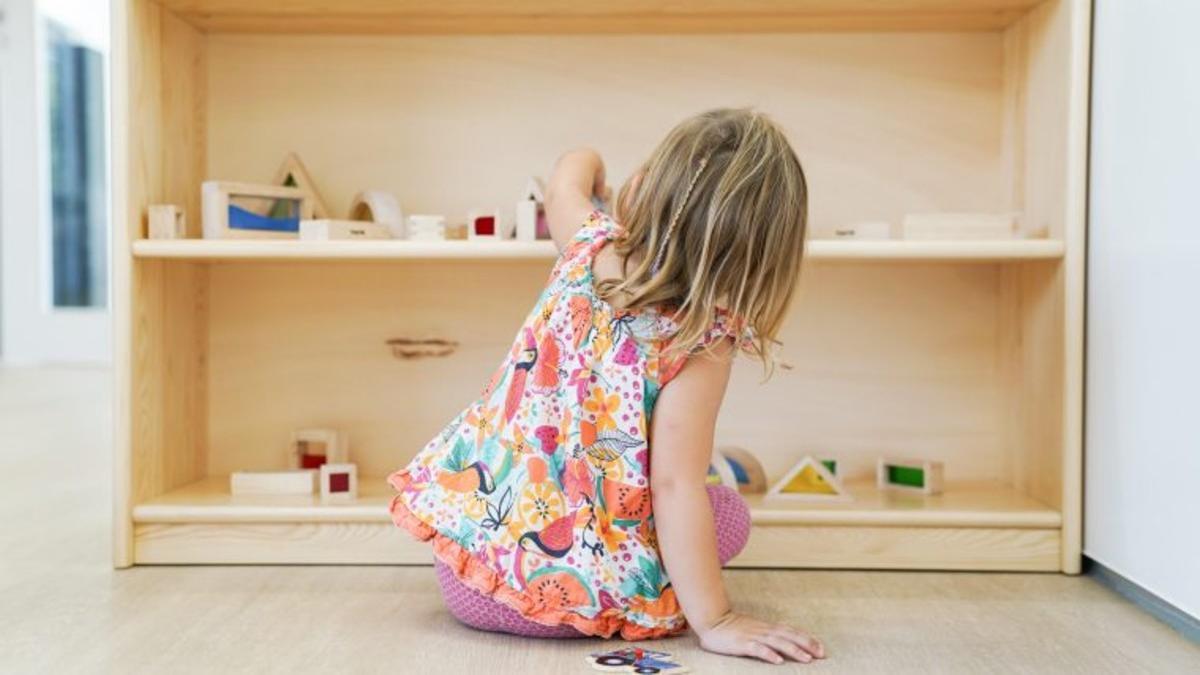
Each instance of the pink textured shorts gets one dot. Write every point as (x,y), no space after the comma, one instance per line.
(478,611)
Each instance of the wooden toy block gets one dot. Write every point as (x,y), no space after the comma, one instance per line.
(915,475)
(293,173)
(531,212)
(293,482)
(487,225)
(311,448)
(748,473)
(248,211)
(339,483)
(328,230)
(166,221)
(811,479)
(871,230)
(426,227)
(925,226)
(635,660)
(378,206)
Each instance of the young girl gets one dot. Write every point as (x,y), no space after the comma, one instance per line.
(570,498)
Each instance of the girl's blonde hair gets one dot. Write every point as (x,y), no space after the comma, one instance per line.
(718,213)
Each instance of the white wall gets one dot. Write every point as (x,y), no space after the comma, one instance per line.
(1142,504)
(32,330)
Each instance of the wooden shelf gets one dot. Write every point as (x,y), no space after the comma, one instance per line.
(963,505)
(849,251)
(974,504)
(594,16)
(276,249)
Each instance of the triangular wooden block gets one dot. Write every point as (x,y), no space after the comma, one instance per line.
(292,173)
(810,479)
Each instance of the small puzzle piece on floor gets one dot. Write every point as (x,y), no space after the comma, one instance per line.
(636,660)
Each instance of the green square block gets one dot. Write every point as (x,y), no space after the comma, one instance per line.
(910,476)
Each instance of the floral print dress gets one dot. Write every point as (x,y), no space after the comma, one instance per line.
(538,494)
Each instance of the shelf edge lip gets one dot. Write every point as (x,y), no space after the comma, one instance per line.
(179,514)
(172,514)
(239,250)
(1037,520)
(817,250)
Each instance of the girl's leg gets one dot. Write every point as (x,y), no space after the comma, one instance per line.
(732,518)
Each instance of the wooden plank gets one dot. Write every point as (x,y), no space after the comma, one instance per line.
(159,323)
(209,501)
(123,57)
(962,505)
(1074,273)
(818,250)
(781,546)
(594,16)
(277,544)
(1049,49)
(969,504)
(931,548)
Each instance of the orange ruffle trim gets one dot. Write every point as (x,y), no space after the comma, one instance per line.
(478,576)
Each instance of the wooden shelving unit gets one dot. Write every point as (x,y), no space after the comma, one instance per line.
(965,351)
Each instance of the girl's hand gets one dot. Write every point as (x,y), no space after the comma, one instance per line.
(741,635)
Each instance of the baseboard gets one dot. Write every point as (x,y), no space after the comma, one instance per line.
(1185,624)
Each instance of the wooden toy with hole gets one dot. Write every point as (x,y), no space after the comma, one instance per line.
(738,469)
(166,221)
(374,214)
(339,483)
(426,227)
(247,211)
(487,226)
(313,447)
(720,472)
(379,207)
(635,660)
(915,475)
(748,474)
(332,230)
(812,480)
(293,173)
(866,230)
(531,212)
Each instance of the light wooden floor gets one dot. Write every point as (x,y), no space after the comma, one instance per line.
(65,610)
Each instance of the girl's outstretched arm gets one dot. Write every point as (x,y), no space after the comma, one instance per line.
(578,176)
(684,419)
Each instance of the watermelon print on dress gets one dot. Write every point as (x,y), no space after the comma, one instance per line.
(538,493)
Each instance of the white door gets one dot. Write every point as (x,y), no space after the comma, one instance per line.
(54,201)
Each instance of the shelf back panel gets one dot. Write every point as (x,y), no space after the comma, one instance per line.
(894,360)
(884,124)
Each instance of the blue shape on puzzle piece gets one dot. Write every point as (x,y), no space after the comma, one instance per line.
(241,219)
(739,472)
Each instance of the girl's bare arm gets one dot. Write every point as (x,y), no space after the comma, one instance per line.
(684,419)
(578,176)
